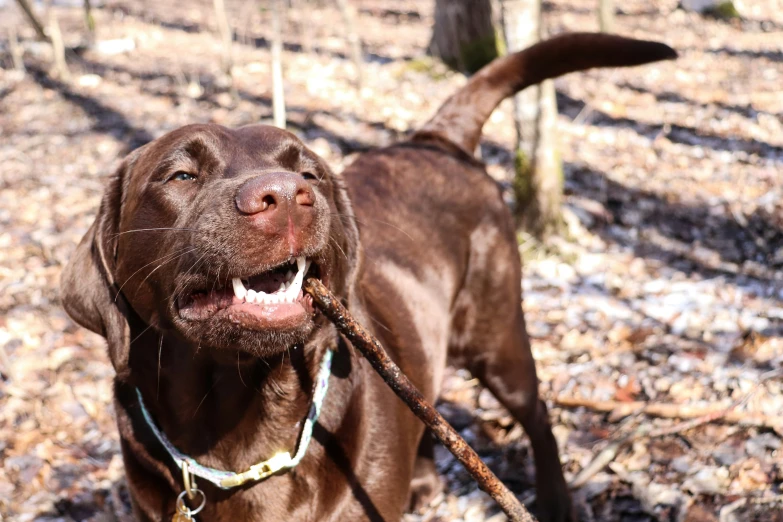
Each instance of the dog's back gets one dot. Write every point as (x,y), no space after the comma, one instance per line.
(427,208)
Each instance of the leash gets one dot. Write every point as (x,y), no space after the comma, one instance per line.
(229,479)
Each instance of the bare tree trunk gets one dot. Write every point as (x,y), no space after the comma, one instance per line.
(226,37)
(464,36)
(538,176)
(349,21)
(33,19)
(606,16)
(58,47)
(278,96)
(545,215)
(17,53)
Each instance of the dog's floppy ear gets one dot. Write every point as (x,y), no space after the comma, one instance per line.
(87,287)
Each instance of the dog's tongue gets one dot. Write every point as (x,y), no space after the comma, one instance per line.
(269,282)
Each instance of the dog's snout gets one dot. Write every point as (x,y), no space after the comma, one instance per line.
(274,192)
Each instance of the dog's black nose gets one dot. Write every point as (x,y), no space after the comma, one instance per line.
(274,192)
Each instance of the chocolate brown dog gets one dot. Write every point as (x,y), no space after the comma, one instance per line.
(193,269)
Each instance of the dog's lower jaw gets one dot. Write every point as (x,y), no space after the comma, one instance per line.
(222,335)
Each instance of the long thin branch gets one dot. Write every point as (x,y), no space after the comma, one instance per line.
(405,390)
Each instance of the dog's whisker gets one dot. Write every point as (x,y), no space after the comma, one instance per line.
(160,352)
(362,222)
(145,266)
(205,395)
(157,229)
(376,321)
(160,265)
(140,334)
(331,239)
(239,371)
(217,278)
(177,290)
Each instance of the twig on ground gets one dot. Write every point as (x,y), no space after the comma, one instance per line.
(404,388)
(698,417)
(727,511)
(602,460)
(674,411)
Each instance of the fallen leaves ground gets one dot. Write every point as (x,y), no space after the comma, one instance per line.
(666,288)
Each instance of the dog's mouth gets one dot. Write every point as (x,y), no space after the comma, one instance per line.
(270,300)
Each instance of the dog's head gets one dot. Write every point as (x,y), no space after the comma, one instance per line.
(207,233)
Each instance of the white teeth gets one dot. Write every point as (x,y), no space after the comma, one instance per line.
(287,293)
(239,289)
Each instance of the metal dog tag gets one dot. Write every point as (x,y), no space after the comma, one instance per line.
(182,517)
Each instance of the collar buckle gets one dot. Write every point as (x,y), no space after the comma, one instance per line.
(259,471)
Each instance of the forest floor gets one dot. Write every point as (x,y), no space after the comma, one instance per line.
(665,289)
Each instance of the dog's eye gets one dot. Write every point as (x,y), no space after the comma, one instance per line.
(309,176)
(182,176)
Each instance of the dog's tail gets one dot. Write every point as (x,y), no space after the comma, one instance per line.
(460,119)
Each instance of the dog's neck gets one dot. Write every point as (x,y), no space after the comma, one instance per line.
(225,415)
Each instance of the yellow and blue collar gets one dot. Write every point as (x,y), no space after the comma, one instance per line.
(262,470)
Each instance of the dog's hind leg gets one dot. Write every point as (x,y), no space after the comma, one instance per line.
(490,340)
(507,368)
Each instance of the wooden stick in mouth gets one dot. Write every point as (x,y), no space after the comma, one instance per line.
(404,388)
